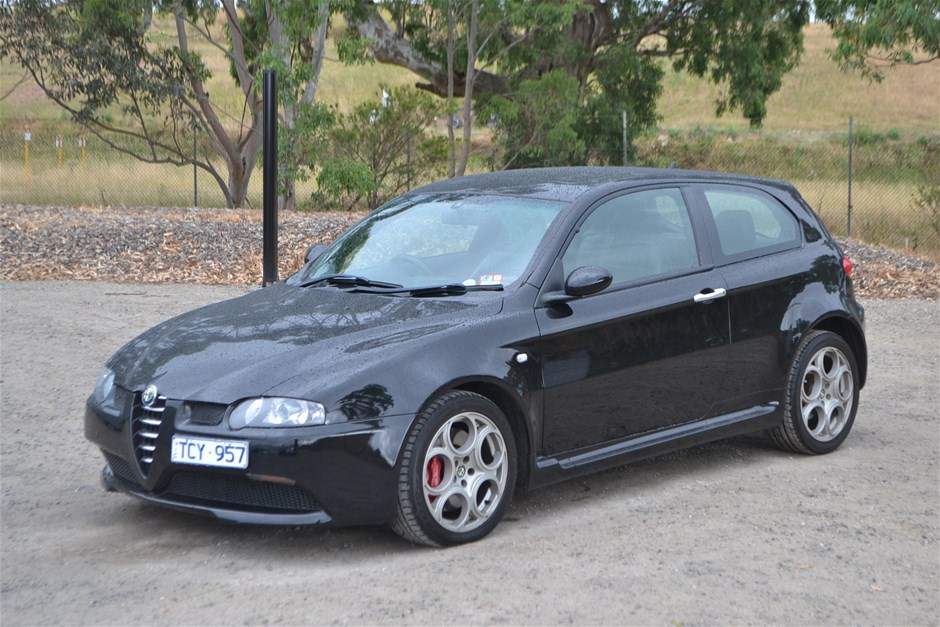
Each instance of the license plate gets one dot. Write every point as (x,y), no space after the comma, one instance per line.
(206,452)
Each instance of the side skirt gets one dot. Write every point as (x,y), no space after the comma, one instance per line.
(553,469)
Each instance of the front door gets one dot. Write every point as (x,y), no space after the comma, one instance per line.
(642,355)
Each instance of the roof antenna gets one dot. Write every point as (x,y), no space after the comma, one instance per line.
(672,166)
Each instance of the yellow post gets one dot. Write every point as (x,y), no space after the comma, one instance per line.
(26,139)
(81,141)
(58,143)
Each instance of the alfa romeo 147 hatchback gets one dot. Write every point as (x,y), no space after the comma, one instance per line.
(492,333)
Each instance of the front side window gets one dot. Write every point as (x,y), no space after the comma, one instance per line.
(636,236)
(750,222)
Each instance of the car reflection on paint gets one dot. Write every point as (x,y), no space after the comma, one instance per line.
(492,333)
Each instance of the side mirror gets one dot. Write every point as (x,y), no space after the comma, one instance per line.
(587,280)
(314,252)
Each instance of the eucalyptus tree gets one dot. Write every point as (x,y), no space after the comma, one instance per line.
(873,35)
(144,93)
(557,76)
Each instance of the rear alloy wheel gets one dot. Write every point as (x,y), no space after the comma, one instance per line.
(458,472)
(822,396)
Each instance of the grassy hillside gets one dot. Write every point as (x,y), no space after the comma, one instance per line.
(817,96)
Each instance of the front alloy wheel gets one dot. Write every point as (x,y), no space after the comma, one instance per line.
(457,473)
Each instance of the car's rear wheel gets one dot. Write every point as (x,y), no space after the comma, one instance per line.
(822,396)
(457,473)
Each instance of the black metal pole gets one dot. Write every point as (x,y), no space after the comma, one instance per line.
(270,178)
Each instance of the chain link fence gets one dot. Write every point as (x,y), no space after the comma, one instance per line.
(893,198)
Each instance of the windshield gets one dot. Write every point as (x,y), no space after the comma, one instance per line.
(424,241)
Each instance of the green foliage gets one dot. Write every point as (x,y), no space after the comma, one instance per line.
(115,19)
(289,36)
(393,143)
(92,57)
(745,47)
(627,83)
(787,157)
(864,136)
(538,125)
(301,148)
(341,183)
(927,200)
(872,34)
(599,59)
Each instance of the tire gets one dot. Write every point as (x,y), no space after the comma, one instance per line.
(822,396)
(457,472)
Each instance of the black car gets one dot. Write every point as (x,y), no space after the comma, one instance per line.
(489,333)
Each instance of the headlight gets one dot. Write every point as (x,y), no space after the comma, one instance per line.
(276,412)
(105,386)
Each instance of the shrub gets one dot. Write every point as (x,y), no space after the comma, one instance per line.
(388,146)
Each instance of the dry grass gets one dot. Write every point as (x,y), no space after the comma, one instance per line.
(882,213)
(127,183)
(115,183)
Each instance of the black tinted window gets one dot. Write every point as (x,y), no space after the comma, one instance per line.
(636,236)
(750,222)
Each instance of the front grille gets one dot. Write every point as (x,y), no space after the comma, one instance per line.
(204,413)
(225,490)
(145,429)
(221,491)
(120,467)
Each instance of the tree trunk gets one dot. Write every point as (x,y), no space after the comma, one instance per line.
(315,53)
(237,191)
(239,153)
(451,44)
(468,87)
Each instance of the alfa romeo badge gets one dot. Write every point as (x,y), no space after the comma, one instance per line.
(149,395)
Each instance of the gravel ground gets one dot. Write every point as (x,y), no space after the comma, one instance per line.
(155,245)
(734,532)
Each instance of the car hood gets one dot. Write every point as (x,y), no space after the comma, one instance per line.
(243,347)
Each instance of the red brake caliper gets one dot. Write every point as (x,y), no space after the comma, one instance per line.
(434,471)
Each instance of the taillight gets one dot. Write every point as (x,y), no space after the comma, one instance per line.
(847,266)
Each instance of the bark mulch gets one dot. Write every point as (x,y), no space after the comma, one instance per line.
(223,246)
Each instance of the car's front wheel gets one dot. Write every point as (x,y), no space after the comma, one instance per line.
(822,396)
(457,473)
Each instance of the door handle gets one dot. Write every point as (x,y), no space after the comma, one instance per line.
(708,295)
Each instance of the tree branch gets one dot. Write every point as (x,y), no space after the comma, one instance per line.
(659,21)
(388,47)
(18,83)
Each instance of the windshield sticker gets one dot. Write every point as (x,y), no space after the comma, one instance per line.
(490,279)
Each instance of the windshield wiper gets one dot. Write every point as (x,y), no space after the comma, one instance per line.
(449,289)
(348,280)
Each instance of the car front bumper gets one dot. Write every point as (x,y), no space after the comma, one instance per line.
(343,474)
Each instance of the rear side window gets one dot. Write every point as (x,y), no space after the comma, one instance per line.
(750,223)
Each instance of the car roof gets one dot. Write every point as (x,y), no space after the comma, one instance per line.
(567,184)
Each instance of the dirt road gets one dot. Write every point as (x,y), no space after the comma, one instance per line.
(734,532)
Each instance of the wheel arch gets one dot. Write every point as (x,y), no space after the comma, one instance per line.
(846,329)
(511,407)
